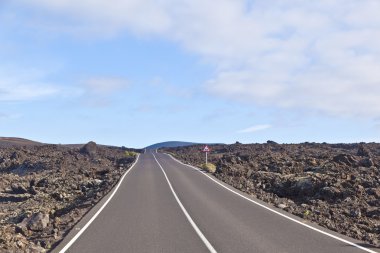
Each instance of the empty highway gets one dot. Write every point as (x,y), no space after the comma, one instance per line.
(162,205)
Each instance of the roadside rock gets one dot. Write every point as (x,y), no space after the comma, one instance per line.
(345,159)
(373,212)
(366,162)
(363,151)
(6,197)
(375,192)
(44,182)
(330,193)
(18,189)
(38,221)
(303,186)
(282,206)
(89,149)
(35,249)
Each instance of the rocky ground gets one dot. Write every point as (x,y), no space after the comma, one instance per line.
(45,190)
(336,186)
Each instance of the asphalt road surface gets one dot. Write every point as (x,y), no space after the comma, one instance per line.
(165,206)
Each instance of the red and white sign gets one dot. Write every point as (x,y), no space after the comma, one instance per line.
(206,149)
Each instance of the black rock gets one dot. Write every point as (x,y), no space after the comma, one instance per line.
(330,193)
(345,159)
(363,151)
(18,189)
(89,149)
(38,221)
(366,162)
(32,190)
(43,183)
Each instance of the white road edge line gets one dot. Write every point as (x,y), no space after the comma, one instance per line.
(199,232)
(71,242)
(274,211)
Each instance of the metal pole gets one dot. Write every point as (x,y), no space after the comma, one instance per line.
(206,158)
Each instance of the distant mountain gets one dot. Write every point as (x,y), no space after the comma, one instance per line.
(171,144)
(13,141)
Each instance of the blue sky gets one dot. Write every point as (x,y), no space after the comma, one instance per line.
(137,72)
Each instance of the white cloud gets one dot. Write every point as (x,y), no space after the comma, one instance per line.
(157,83)
(21,92)
(255,128)
(24,84)
(315,55)
(7,116)
(100,17)
(20,83)
(105,85)
(98,91)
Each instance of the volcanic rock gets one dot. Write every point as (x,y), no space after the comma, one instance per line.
(89,149)
(330,193)
(345,159)
(18,189)
(363,151)
(38,221)
(303,186)
(44,182)
(366,162)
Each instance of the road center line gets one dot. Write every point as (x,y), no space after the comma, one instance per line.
(71,242)
(274,211)
(199,232)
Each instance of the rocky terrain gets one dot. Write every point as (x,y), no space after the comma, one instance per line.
(336,186)
(46,189)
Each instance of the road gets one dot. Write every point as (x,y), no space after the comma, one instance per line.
(165,206)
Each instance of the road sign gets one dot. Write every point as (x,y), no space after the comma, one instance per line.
(206,149)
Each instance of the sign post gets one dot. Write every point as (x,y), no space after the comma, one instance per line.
(206,149)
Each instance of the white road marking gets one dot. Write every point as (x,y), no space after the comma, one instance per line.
(274,211)
(71,242)
(199,232)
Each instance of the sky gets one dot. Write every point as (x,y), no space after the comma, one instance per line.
(138,72)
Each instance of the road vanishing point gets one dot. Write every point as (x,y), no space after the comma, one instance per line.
(162,205)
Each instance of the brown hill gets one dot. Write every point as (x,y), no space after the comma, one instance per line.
(17,142)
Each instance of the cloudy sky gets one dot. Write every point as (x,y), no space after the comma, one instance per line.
(136,72)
